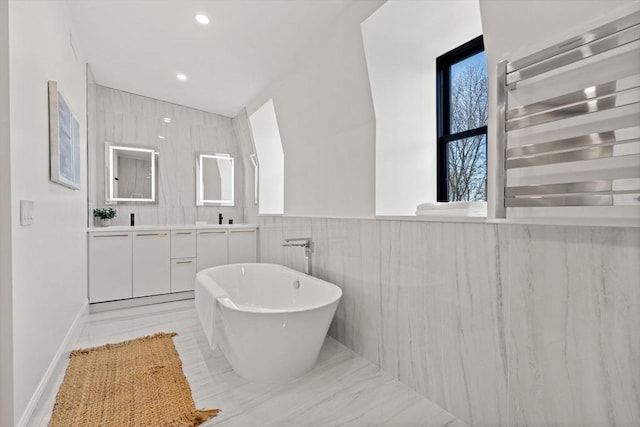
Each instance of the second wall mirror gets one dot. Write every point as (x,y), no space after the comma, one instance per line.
(215,179)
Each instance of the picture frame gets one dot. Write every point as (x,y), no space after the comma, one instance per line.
(64,141)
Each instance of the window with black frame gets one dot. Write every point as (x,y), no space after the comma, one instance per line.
(462,123)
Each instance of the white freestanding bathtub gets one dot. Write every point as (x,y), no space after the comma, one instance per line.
(269,321)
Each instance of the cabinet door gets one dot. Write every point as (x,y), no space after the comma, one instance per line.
(242,246)
(151,263)
(212,248)
(110,268)
(183,274)
(183,244)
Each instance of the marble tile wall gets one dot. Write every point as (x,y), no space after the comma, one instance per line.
(122,117)
(502,325)
(92,157)
(244,137)
(574,329)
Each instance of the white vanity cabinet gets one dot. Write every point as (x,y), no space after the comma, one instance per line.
(151,263)
(242,245)
(161,262)
(212,248)
(183,260)
(110,266)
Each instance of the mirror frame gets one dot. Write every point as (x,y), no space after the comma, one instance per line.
(254,161)
(109,178)
(200,201)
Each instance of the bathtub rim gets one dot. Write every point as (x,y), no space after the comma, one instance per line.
(224,300)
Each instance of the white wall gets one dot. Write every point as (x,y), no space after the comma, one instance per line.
(402,40)
(325,110)
(6,318)
(326,122)
(513,29)
(264,128)
(49,257)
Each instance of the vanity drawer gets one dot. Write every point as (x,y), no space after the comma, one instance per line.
(183,274)
(183,243)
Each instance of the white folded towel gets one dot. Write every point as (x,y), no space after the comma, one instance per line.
(452,209)
(206,292)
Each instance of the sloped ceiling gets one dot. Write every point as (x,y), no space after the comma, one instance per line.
(140,45)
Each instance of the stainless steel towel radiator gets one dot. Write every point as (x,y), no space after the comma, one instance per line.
(582,147)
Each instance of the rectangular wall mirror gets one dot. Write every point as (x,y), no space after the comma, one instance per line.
(214,179)
(131,173)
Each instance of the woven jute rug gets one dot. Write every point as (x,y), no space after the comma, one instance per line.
(132,383)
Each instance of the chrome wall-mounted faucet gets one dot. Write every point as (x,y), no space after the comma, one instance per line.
(307,244)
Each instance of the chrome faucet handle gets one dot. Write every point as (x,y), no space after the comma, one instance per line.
(303,242)
(298,239)
(306,242)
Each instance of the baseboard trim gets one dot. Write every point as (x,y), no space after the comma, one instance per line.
(72,333)
(98,307)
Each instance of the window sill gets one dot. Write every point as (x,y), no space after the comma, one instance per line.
(573,222)
(434,218)
(630,220)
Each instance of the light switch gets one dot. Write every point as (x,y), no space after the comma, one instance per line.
(26,212)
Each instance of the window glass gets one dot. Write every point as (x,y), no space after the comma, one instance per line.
(468,92)
(467,169)
(461,82)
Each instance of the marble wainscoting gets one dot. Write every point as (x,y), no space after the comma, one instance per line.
(443,316)
(502,325)
(574,325)
(125,118)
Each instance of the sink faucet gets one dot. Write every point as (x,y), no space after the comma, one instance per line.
(307,244)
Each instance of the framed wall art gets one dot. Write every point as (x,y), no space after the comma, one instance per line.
(64,141)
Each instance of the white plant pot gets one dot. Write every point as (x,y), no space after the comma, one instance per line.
(104,222)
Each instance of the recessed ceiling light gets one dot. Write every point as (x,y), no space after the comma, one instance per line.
(180,76)
(202,19)
(167,119)
(160,137)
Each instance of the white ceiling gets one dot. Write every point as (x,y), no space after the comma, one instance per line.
(140,45)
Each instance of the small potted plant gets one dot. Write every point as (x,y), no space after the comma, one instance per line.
(104,215)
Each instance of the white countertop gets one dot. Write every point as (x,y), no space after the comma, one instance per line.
(120,228)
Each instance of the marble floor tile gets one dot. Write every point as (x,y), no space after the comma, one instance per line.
(343,389)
